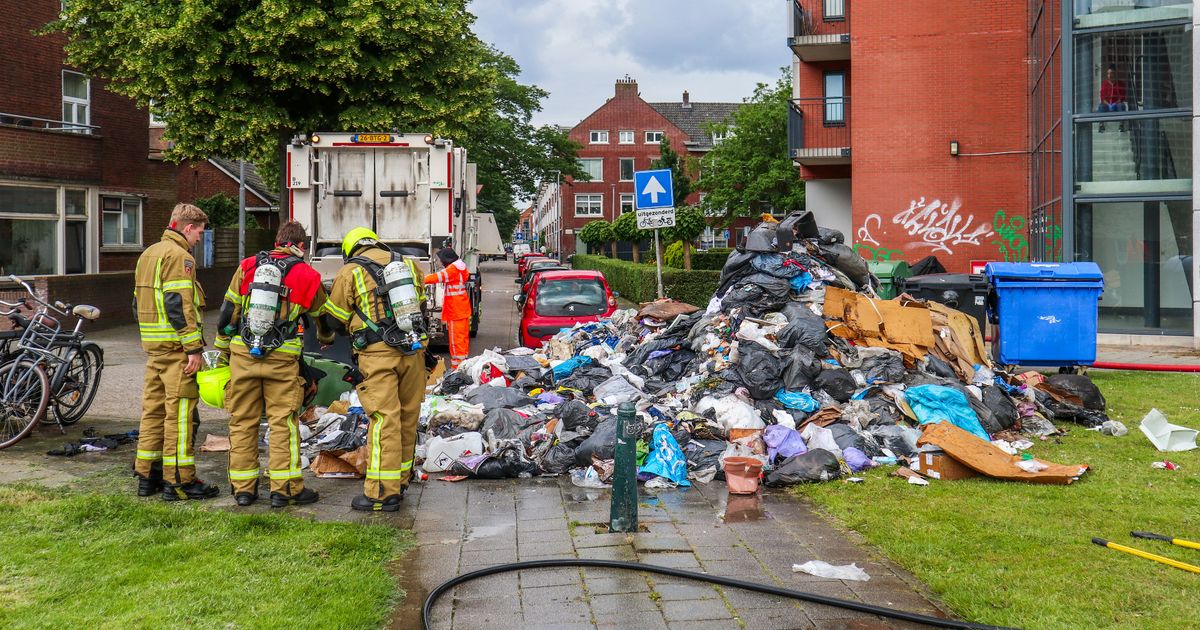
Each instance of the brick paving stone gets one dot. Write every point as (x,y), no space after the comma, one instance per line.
(854,624)
(551,595)
(625,602)
(654,543)
(554,615)
(548,577)
(743,568)
(775,619)
(680,591)
(707,624)
(626,582)
(615,552)
(543,525)
(675,560)
(695,610)
(630,621)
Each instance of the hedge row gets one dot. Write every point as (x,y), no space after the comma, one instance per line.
(637,283)
(713,259)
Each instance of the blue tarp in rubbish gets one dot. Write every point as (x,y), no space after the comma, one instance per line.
(800,283)
(934,403)
(666,458)
(797,400)
(566,368)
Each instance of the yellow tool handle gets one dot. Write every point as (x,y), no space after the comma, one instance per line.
(1185,543)
(1179,542)
(1149,556)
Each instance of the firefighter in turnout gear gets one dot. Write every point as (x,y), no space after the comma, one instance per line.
(378,296)
(260,333)
(169,304)
(456,308)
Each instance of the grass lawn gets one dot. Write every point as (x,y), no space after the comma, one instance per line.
(1021,555)
(111,561)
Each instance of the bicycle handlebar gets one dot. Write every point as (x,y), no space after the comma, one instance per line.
(28,289)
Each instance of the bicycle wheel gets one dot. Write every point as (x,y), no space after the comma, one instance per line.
(79,384)
(24,396)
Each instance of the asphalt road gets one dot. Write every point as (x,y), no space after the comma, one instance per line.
(498,324)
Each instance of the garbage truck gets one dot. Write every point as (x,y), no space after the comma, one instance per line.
(417,192)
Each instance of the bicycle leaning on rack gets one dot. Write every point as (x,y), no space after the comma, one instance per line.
(44,368)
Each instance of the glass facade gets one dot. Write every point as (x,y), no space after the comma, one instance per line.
(1045,130)
(1128,90)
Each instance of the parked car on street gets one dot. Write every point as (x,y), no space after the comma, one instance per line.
(531,275)
(523,262)
(538,265)
(561,299)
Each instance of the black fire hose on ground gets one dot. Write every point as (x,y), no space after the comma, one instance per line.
(938,622)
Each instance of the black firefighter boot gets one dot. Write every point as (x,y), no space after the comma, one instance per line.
(244,499)
(152,485)
(193,490)
(306,496)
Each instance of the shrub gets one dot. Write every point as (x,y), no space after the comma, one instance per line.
(637,283)
(712,259)
(673,255)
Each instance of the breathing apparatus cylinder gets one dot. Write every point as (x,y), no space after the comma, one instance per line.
(402,297)
(263,306)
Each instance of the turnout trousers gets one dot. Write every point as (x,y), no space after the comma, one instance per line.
(459,333)
(391,393)
(169,418)
(269,386)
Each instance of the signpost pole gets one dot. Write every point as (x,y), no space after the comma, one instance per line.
(658,263)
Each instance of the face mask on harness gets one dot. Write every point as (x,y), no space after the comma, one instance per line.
(403,326)
(261,330)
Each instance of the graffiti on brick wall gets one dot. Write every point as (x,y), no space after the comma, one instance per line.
(1012,245)
(873,250)
(935,224)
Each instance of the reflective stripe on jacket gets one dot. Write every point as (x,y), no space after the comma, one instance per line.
(169,302)
(457,304)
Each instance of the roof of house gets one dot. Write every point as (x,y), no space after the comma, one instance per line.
(691,120)
(253,181)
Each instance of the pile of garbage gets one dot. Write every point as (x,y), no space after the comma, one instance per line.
(794,362)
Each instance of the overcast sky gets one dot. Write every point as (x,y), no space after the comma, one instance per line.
(717,50)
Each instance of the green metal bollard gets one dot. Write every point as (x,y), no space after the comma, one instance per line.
(623,515)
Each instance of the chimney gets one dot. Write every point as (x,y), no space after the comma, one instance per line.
(687,103)
(626,87)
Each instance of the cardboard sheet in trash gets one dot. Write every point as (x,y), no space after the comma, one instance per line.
(959,341)
(906,328)
(215,444)
(340,464)
(666,309)
(984,458)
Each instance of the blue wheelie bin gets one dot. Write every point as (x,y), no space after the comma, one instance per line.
(1044,314)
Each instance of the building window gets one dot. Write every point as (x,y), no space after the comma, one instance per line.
(594,167)
(835,98)
(833,10)
(654,137)
(589,205)
(626,202)
(76,99)
(625,137)
(626,169)
(599,137)
(122,221)
(719,136)
(29,222)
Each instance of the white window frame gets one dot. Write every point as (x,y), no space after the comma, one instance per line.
(626,203)
(632,169)
(60,218)
(654,137)
(598,136)
(75,103)
(599,161)
(593,204)
(625,137)
(140,209)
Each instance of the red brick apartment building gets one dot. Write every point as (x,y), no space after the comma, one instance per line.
(911,127)
(622,136)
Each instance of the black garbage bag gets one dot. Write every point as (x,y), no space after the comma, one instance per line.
(600,443)
(839,384)
(759,370)
(757,294)
(847,261)
(802,367)
(1002,407)
(585,379)
(938,367)
(455,382)
(705,454)
(899,439)
(559,459)
(846,437)
(525,383)
(499,397)
(986,418)
(927,265)
(737,266)
(814,466)
(887,410)
(505,424)
(1081,387)
(509,463)
(885,368)
(522,364)
(829,236)
(1057,410)
(803,329)
(576,415)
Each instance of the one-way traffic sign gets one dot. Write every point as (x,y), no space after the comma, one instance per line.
(653,189)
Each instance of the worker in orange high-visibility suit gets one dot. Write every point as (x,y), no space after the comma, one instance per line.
(456,307)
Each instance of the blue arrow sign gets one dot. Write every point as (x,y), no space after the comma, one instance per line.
(653,189)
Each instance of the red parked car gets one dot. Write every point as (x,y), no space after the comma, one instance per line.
(561,299)
(524,261)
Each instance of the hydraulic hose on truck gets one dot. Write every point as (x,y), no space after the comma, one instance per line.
(937,622)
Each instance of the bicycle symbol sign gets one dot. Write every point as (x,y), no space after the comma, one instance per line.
(654,218)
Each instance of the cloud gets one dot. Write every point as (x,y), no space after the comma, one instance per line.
(576,49)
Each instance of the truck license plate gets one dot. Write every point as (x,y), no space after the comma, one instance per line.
(372,137)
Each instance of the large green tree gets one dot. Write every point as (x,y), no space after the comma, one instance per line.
(241,78)
(598,233)
(689,225)
(750,171)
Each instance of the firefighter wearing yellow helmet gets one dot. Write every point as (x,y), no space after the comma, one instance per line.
(378,296)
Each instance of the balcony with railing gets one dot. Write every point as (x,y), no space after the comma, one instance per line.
(819,131)
(819,30)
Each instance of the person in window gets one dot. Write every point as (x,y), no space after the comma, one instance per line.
(1112,94)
